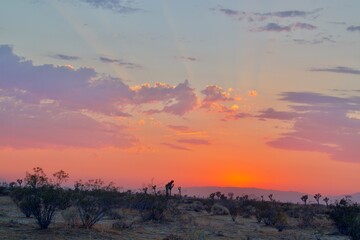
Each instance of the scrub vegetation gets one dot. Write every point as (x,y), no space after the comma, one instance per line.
(96,209)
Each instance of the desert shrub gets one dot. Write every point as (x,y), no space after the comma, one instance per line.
(94,200)
(45,201)
(3,188)
(346,216)
(196,206)
(218,209)
(271,215)
(21,197)
(70,216)
(306,217)
(248,211)
(232,206)
(151,207)
(41,197)
(281,221)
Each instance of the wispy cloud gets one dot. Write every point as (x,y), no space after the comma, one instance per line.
(118,6)
(194,141)
(65,57)
(353,28)
(328,39)
(271,113)
(274,27)
(177,147)
(258,16)
(119,62)
(339,69)
(193,59)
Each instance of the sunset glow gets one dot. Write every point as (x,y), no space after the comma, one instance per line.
(261,94)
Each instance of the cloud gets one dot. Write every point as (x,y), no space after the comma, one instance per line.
(83,89)
(252,93)
(184,130)
(328,39)
(119,62)
(194,141)
(193,59)
(214,94)
(353,28)
(117,6)
(339,69)
(65,57)
(229,11)
(47,125)
(178,99)
(270,113)
(177,147)
(304,26)
(63,106)
(273,27)
(257,16)
(324,124)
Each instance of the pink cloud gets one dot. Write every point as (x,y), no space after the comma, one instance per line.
(213,94)
(322,124)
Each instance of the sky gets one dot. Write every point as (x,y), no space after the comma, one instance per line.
(244,93)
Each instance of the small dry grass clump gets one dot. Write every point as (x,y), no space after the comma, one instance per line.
(218,209)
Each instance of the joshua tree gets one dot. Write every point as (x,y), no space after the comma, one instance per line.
(212,195)
(145,189)
(271,197)
(153,187)
(326,200)
(168,187)
(218,194)
(317,198)
(19,181)
(179,189)
(305,198)
(262,198)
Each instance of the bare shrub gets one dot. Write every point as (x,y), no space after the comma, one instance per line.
(94,200)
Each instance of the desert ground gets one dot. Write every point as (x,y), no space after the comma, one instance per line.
(190,223)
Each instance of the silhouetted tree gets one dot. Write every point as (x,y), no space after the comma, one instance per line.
(231,195)
(218,194)
(326,200)
(304,198)
(317,198)
(153,187)
(179,190)
(168,187)
(212,195)
(271,197)
(19,181)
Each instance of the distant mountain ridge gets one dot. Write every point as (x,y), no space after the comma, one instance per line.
(278,195)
